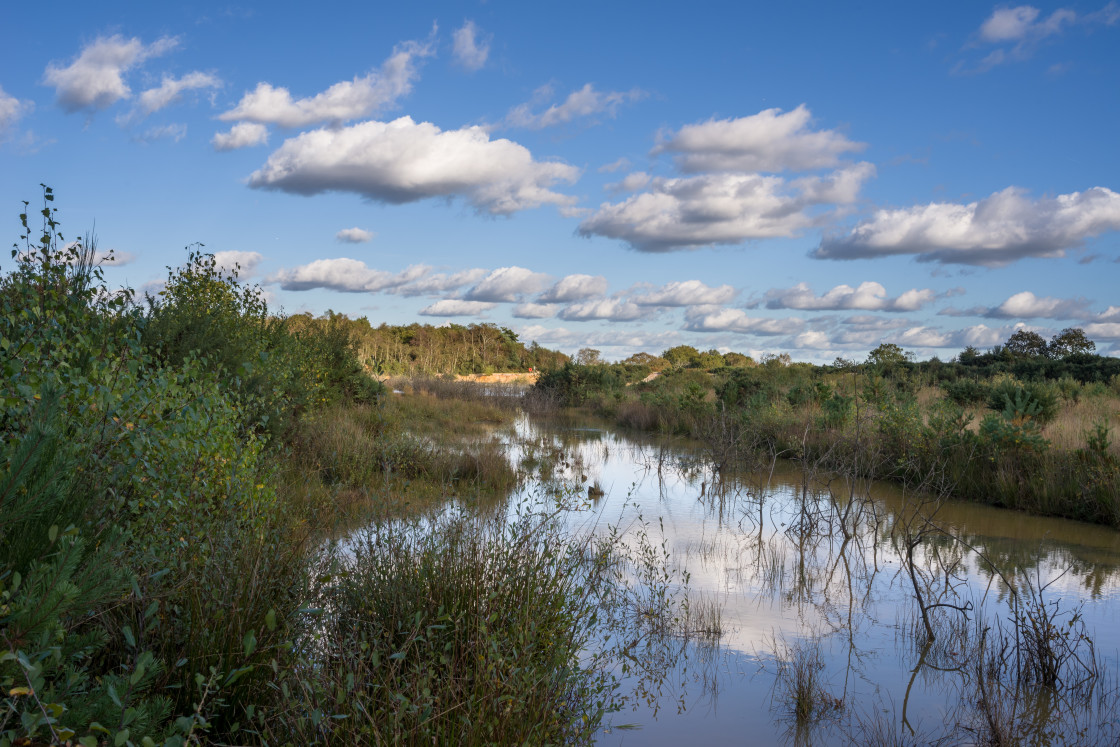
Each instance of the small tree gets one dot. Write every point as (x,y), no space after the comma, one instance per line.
(1070,341)
(1025,344)
(682,356)
(654,362)
(888,355)
(737,360)
(588,357)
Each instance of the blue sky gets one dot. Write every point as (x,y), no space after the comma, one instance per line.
(806,178)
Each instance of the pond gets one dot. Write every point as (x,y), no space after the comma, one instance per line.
(810,587)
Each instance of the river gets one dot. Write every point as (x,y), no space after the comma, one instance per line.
(816,579)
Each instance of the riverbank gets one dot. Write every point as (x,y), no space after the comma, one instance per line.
(1044,447)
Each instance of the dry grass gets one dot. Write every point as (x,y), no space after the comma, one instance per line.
(1076,419)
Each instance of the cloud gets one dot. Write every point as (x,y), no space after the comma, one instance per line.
(610,309)
(344,274)
(630,183)
(686,293)
(995,231)
(342,102)
(535,310)
(1027,305)
(869,296)
(813,339)
(113,258)
(439,284)
(1016,24)
(768,141)
(507,284)
(575,288)
(354,235)
(168,92)
(631,341)
(1021,29)
(405,161)
(246,262)
(95,79)
(12,109)
(1103,331)
(1111,314)
(689,212)
(453,307)
(707,319)
(469,49)
(242,135)
(585,102)
(613,166)
(175,132)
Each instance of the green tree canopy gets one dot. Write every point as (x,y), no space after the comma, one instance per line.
(1070,341)
(1025,344)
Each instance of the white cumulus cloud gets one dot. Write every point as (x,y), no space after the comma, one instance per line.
(610,309)
(507,284)
(869,296)
(241,135)
(342,102)
(168,92)
(12,109)
(1021,22)
(1027,305)
(344,274)
(404,161)
(535,310)
(470,48)
(695,211)
(768,141)
(686,293)
(701,319)
(245,262)
(585,102)
(440,283)
(95,79)
(575,288)
(354,235)
(1002,228)
(455,307)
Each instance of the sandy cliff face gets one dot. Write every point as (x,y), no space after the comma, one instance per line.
(501,378)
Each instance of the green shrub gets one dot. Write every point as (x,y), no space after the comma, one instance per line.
(967,392)
(1038,400)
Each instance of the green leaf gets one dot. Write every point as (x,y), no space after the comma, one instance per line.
(249,642)
(270,619)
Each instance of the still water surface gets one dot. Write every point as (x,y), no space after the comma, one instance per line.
(768,548)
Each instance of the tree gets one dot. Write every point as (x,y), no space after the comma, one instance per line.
(969,354)
(1025,344)
(587,357)
(888,355)
(682,356)
(709,360)
(654,362)
(737,360)
(1070,341)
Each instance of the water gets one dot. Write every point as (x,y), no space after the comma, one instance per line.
(801,567)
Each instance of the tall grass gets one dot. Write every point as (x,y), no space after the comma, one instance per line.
(452,630)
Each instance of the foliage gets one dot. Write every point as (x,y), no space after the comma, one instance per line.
(1034,400)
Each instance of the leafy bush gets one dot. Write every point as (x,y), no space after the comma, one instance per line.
(1037,400)
(966,392)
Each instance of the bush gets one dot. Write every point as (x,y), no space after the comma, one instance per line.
(1038,400)
(967,392)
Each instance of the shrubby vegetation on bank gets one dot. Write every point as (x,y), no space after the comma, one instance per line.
(1026,430)
(171,476)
